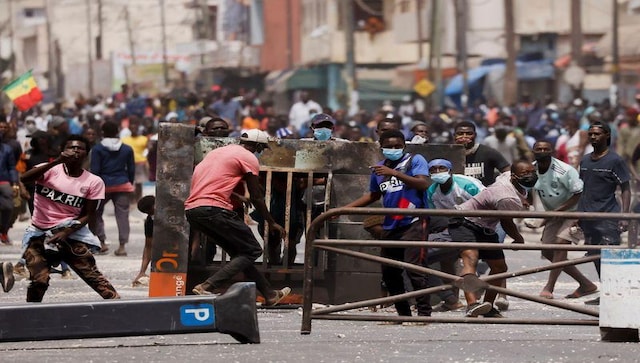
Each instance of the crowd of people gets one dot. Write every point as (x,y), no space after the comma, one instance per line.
(572,156)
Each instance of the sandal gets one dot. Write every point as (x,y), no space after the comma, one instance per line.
(280,294)
(580,293)
(546,294)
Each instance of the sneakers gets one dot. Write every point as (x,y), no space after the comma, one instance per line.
(595,301)
(4,238)
(476,309)
(20,271)
(444,306)
(493,313)
(67,275)
(201,290)
(280,294)
(502,303)
(6,279)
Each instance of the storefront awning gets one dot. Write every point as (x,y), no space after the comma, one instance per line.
(526,71)
(293,79)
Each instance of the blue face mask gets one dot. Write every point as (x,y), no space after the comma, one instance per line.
(392,154)
(440,178)
(322,134)
(258,154)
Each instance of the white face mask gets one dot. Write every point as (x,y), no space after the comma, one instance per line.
(440,178)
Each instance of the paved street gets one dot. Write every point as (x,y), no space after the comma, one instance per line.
(329,341)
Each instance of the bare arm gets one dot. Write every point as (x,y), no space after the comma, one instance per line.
(257,199)
(626,204)
(418,182)
(512,230)
(569,202)
(365,200)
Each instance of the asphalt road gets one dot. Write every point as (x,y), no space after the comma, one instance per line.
(329,341)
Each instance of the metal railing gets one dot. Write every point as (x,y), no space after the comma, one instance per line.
(469,283)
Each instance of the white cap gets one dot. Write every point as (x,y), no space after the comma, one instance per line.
(171,115)
(255,135)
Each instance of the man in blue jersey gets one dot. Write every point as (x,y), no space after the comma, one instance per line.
(400,179)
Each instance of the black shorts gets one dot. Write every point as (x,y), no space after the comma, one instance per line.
(463,230)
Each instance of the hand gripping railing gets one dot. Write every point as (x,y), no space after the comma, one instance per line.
(332,245)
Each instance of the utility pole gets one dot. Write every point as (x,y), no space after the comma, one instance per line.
(576,32)
(51,65)
(419,30)
(350,66)
(433,45)
(132,48)
(576,39)
(165,66)
(615,56)
(510,76)
(461,44)
(12,41)
(99,37)
(89,47)
(289,35)
(436,43)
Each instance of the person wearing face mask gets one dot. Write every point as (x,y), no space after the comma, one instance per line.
(509,192)
(400,180)
(209,210)
(447,191)
(323,126)
(559,187)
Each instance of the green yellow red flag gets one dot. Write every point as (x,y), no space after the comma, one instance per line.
(23,91)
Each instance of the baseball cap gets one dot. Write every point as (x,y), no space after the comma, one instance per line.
(255,135)
(322,117)
(171,115)
(203,121)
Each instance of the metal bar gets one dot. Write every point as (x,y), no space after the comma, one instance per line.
(542,300)
(378,301)
(551,266)
(358,317)
(390,262)
(287,220)
(460,245)
(474,213)
(327,199)
(420,269)
(312,244)
(309,251)
(265,236)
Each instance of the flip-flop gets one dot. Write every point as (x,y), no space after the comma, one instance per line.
(546,294)
(579,293)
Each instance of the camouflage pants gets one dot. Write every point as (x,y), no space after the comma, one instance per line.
(77,256)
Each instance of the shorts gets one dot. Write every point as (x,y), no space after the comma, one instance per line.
(466,231)
(560,228)
(142,172)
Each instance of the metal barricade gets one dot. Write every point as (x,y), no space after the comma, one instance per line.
(467,284)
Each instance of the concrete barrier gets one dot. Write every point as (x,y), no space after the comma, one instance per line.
(620,295)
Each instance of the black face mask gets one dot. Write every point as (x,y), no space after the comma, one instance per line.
(542,156)
(528,181)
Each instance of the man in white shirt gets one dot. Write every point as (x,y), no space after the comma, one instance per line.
(300,112)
